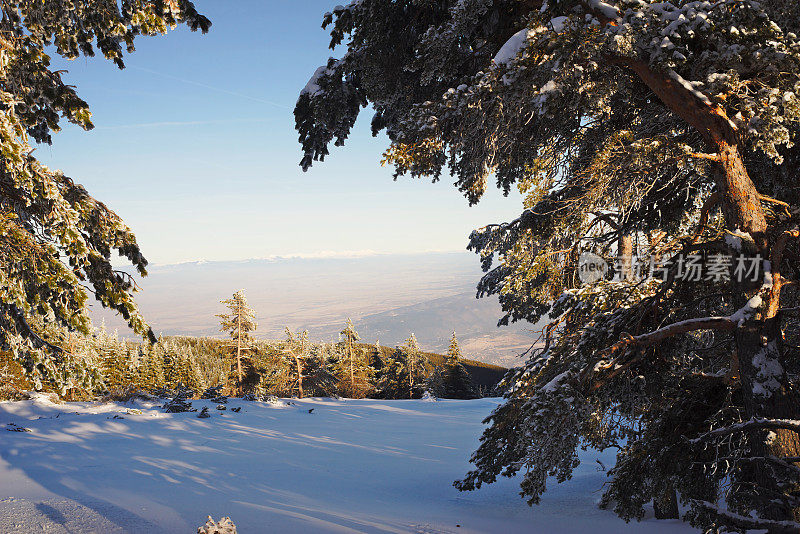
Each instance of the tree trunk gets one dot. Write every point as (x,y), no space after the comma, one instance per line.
(410,377)
(666,505)
(625,256)
(352,379)
(239,351)
(767,394)
(741,204)
(759,339)
(299,377)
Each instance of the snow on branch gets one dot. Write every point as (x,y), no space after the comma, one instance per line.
(690,88)
(512,47)
(754,423)
(605,9)
(22,324)
(747,522)
(313,88)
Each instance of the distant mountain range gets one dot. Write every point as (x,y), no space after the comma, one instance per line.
(387,297)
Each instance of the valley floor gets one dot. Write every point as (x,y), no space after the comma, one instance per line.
(311,465)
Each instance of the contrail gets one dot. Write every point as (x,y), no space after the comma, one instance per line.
(211,87)
(177,123)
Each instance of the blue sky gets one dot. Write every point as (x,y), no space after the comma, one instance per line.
(195,148)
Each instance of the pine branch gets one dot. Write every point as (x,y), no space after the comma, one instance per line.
(746,522)
(22,323)
(644,340)
(755,423)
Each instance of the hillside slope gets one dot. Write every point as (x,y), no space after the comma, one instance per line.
(300,466)
(483,374)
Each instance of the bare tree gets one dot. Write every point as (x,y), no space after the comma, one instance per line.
(297,346)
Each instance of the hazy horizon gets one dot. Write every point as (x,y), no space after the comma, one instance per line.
(388,296)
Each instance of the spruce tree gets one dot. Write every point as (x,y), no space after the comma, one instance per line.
(665,128)
(456,380)
(131,374)
(298,368)
(351,367)
(151,367)
(114,363)
(191,375)
(239,323)
(376,356)
(56,240)
(417,367)
(392,375)
(171,363)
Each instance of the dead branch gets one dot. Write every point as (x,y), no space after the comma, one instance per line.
(777,281)
(705,212)
(699,155)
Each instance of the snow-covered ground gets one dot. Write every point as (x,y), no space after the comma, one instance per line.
(345,466)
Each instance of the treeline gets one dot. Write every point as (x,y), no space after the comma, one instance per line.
(293,367)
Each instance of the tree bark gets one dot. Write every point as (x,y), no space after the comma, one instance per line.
(759,339)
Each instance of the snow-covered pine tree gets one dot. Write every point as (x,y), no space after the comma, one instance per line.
(456,380)
(283,368)
(392,375)
(351,366)
(417,367)
(224,526)
(191,375)
(78,375)
(180,401)
(171,363)
(376,356)
(238,323)
(318,380)
(131,373)
(297,368)
(12,378)
(296,352)
(56,240)
(671,124)
(150,369)
(114,363)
